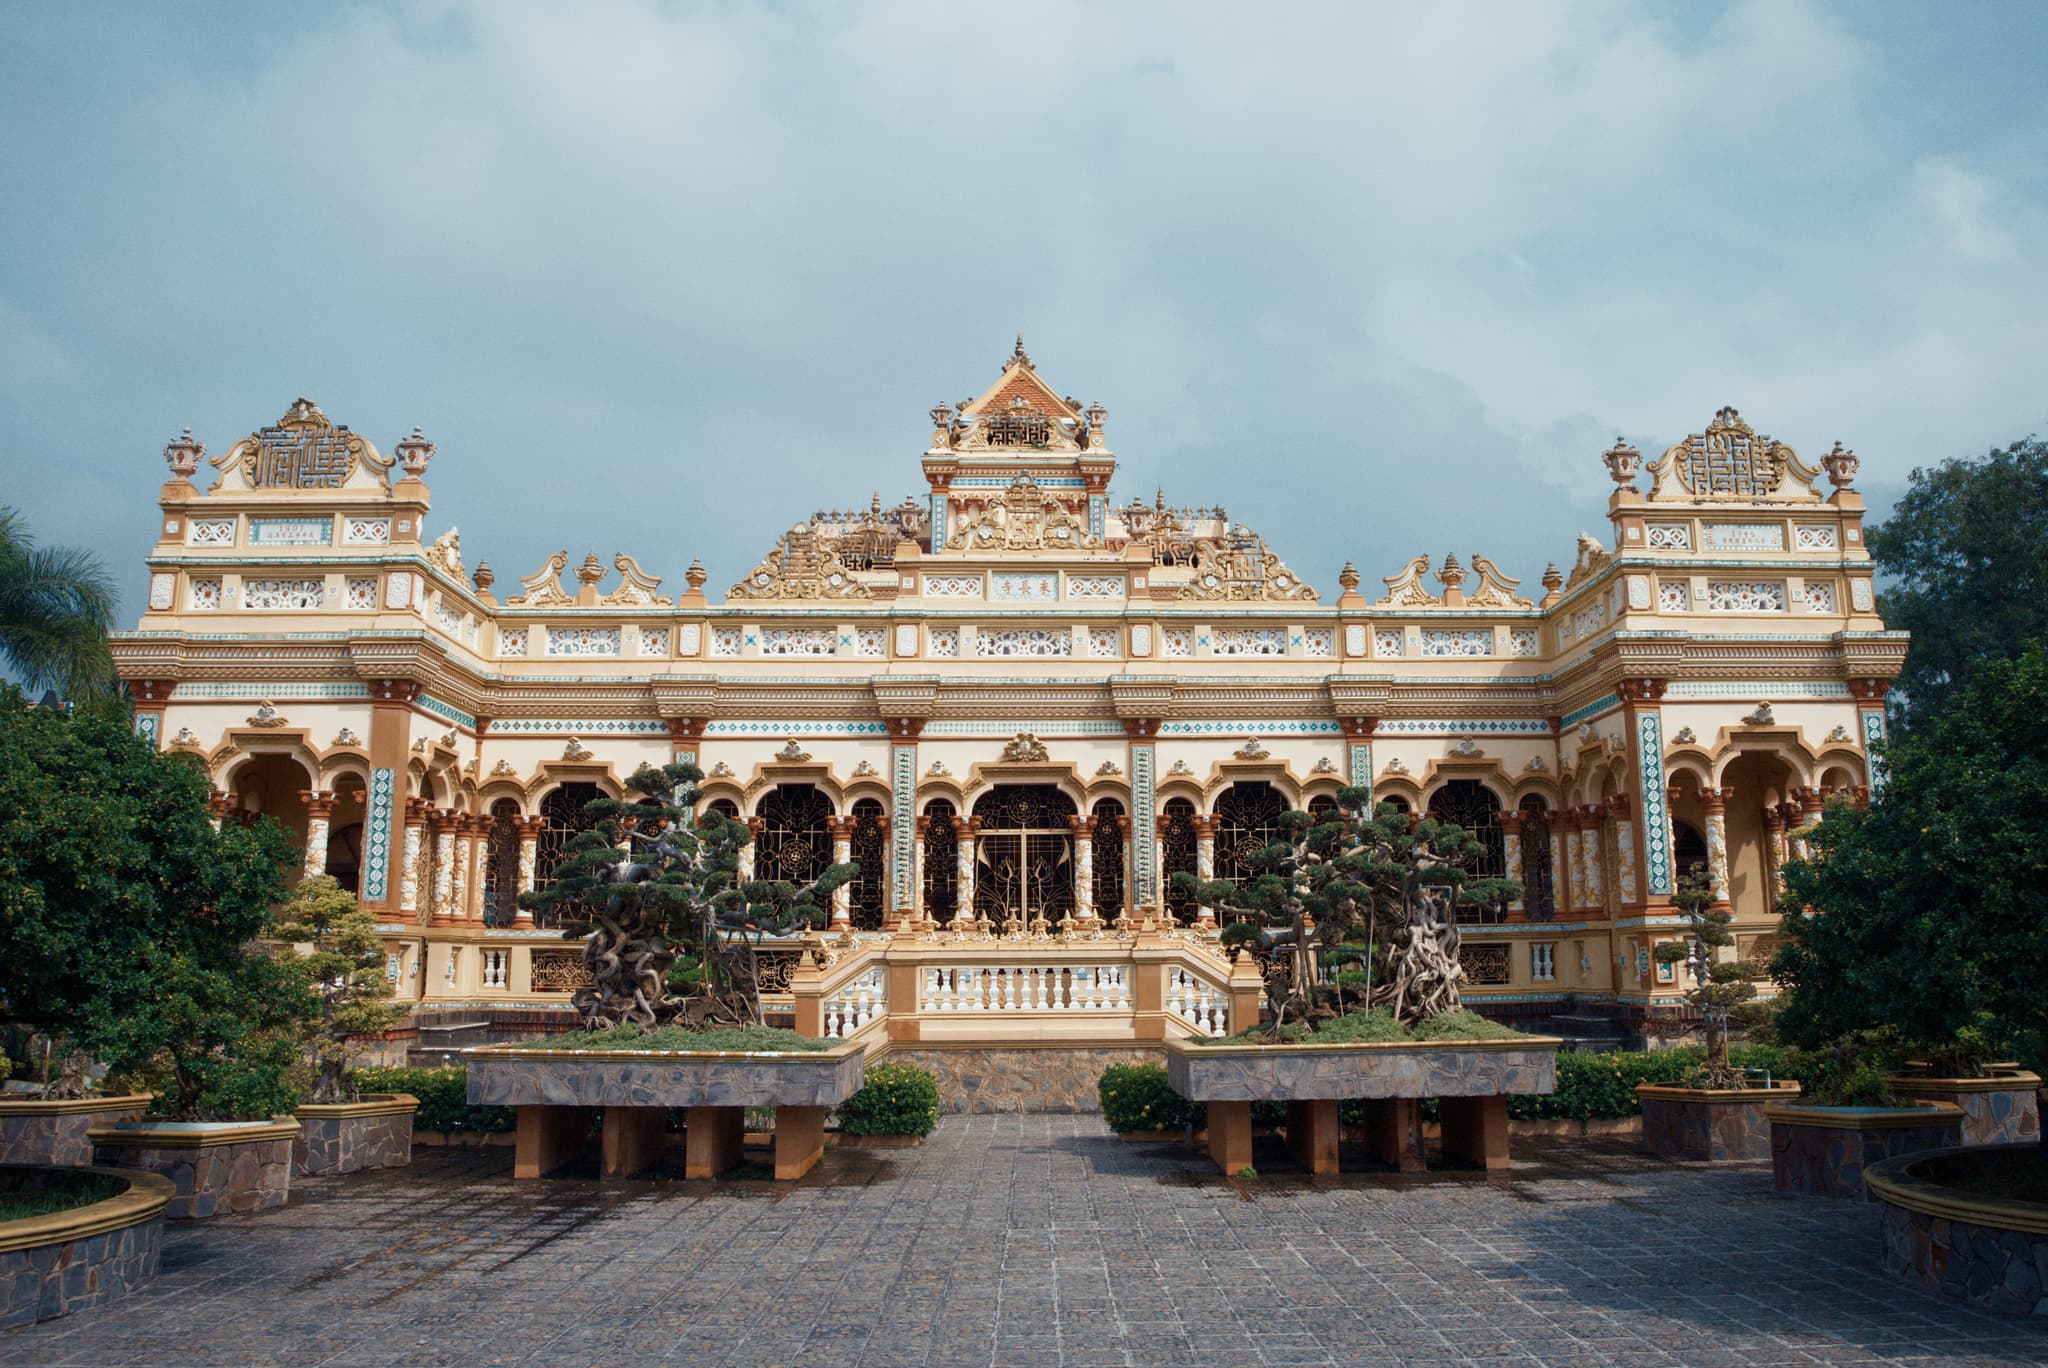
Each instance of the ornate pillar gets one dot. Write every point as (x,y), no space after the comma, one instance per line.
(465,857)
(1358,751)
(683,734)
(529,863)
(1774,838)
(1812,807)
(745,864)
(1714,804)
(1573,826)
(1084,869)
(1560,865)
(842,851)
(445,822)
(1511,859)
(1596,856)
(1623,807)
(216,807)
(1138,736)
(968,828)
(914,910)
(1640,706)
(151,697)
(416,811)
(906,829)
(384,800)
(1205,863)
(319,808)
(1870,725)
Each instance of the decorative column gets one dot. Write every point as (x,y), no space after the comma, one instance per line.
(391,711)
(1622,806)
(319,808)
(906,829)
(216,807)
(745,864)
(1358,733)
(1774,838)
(1560,865)
(529,862)
(151,697)
(1511,859)
(1573,826)
(1084,869)
(914,910)
(1595,848)
(967,828)
(1714,804)
(1138,735)
(465,856)
(1870,725)
(416,811)
(842,851)
(1205,863)
(1640,706)
(683,734)
(445,822)
(1812,807)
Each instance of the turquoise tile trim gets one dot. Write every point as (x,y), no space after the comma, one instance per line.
(1873,748)
(258,689)
(1361,764)
(448,711)
(1591,710)
(1005,728)
(1267,728)
(750,727)
(577,726)
(1097,514)
(903,831)
(377,833)
(1004,481)
(146,727)
(1144,828)
(1656,820)
(1500,726)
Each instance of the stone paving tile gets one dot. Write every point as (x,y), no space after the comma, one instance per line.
(1041,1241)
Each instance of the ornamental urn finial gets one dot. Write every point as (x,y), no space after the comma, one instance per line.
(591,571)
(184,455)
(484,577)
(1452,574)
(413,454)
(1840,465)
(695,575)
(1348,576)
(1622,461)
(1098,416)
(942,423)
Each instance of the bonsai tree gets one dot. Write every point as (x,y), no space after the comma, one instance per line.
(1378,888)
(131,923)
(1719,986)
(652,881)
(1921,917)
(342,966)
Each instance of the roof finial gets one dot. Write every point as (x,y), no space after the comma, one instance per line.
(1019,353)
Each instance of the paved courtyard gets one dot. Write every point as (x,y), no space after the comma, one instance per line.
(1039,1241)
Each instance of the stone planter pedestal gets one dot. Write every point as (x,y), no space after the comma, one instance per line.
(1823,1151)
(1991,1252)
(53,1265)
(36,1131)
(1709,1125)
(348,1137)
(216,1167)
(1472,1080)
(555,1091)
(2002,1109)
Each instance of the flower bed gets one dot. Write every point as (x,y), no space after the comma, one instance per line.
(84,1254)
(1823,1151)
(1710,1124)
(2002,1108)
(348,1137)
(215,1167)
(35,1130)
(1951,1226)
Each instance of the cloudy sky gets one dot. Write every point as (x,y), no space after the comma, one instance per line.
(666,278)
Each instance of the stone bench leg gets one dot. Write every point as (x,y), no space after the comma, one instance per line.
(1230,1135)
(711,1140)
(1476,1130)
(633,1139)
(799,1140)
(1393,1132)
(547,1138)
(1312,1135)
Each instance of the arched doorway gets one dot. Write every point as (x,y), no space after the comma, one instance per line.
(345,833)
(1475,807)
(562,819)
(1106,851)
(1177,855)
(501,864)
(1023,855)
(941,890)
(869,850)
(1247,821)
(269,786)
(795,840)
(1539,895)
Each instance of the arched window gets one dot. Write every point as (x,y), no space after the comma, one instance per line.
(1108,854)
(1247,821)
(795,845)
(1539,897)
(870,851)
(562,818)
(1023,854)
(1688,849)
(1474,806)
(1396,802)
(501,865)
(1177,853)
(725,807)
(1321,806)
(941,862)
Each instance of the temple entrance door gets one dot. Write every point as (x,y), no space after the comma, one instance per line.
(1023,856)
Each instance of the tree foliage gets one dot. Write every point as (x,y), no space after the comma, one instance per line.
(56,604)
(1968,549)
(341,963)
(129,922)
(1377,888)
(1921,917)
(1719,986)
(652,881)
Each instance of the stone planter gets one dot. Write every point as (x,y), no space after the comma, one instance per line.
(348,1137)
(554,1091)
(35,1131)
(1472,1080)
(216,1167)
(1991,1252)
(2001,1109)
(1823,1151)
(1710,1125)
(53,1265)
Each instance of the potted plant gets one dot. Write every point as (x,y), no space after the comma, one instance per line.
(1718,1112)
(340,960)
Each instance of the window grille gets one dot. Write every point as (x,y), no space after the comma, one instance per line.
(941,862)
(1177,853)
(870,851)
(1108,854)
(1023,855)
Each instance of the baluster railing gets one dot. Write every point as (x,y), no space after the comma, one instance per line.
(1198,1002)
(948,989)
(855,1003)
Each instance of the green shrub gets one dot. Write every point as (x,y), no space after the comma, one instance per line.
(1137,1097)
(895,1099)
(443,1095)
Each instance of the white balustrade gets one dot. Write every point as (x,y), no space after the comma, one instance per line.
(1026,988)
(497,964)
(862,999)
(1200,1003)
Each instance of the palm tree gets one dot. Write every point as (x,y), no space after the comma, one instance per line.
(56,605)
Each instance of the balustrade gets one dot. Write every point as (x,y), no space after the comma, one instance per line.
(1200,1003)
(858,1001)
(1026,988)
(497,968)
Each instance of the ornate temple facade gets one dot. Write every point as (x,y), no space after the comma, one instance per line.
(1022,704)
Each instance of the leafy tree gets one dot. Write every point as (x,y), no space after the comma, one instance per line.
(1968,547)
(1379,888)
(1719,986)
(653,882)
(343,968)
(129,922)
(56,605)
(1925,910)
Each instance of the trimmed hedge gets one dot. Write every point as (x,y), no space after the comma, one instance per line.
(443,1095)
(1137,1097)
(894,1099)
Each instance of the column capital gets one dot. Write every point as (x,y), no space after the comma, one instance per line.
(319,802)
(217,803)
(1359,728)
(685,728)
(1714,800)
(1511,821)
(1205,826)
(147,691)
(906,728)
(394,690)
(1869,690)
(1081,828)
(529,827)
(1641,690)
(418,811)
(1622,805)
(1140,728)
(969,827)
(1774,817)
(922,824)
(841,828)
